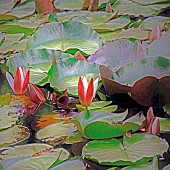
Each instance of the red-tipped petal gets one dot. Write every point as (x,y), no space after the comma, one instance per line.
(79,56)
(149,118)
(81,90)
(90,93)
(17,81)
(26,82)
(156,126)
(36,94)
(155,34)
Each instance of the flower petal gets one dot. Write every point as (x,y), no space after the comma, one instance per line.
(36,94)
(10,80)
(17,81)
(81,91)
(95,86)
(155,34)
(156,126)
(90,93)
(149,118)
(25,82)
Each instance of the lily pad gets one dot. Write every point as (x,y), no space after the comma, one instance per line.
(8,117)
(101,125)
(71,164)
(24,150)
(43,161)
(166,167)
(118,53)
(13,135)
(38,61)
(151,22)
(136,33)
(159,47)
(6,6)
(56,133)
(102,22)
(65,74)
(64,36)
(113,152)
(164,125)
(144,166)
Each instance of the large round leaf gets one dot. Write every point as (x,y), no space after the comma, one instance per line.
(101,125)
(38,61)
(24,150)
(13,135)
(113,152)
(8,117)
(43,161)
(65,74)
(118,53)
(56,133)
(64,36)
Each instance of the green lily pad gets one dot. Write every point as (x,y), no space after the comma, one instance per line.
(64,36)
(101,125)
(136,33)
(71,164)
(118,53)
(151,22)
(159,47)
(24,150)
(72,5)
(100,21)
(38,61)
(65,74)
(10,43)
(164,125)
(6,6)
(144,166)
(56,133)
(43,161)
(113,152)
(13,135)
(8,117)
(131,8)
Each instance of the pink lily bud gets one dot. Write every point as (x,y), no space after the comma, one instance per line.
(152,122)
(155,34)
(36,94)
(19,83)
(86,92)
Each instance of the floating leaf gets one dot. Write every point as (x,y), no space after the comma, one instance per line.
(118,53)
(56,133)
(24,150)
(65,74)
(144,166)
(8,117)
(6,6)
(164,125)
(64,36)
(71,164)
(40,162)
(4,99)
(101,125)
(151,22)
(166,167)
(13,135)
(38,61)
(113,152)
(136,33)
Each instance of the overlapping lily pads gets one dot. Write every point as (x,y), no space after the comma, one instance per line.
(101,125)
(131,150)
(64,36)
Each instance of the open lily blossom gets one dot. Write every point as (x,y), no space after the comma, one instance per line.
(36,95)
(152,122)
(86,92)
(19,83)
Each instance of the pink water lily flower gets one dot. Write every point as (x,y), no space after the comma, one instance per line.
(86,91)
(19,83)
